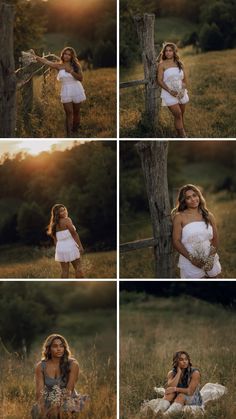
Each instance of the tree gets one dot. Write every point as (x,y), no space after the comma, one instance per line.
(31,223)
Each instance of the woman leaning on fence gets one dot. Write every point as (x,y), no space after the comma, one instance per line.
(172,79)
(72,92)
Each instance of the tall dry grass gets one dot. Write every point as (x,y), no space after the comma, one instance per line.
(30,262)
(47,118)
(151,331)
(211,110)
(96,379)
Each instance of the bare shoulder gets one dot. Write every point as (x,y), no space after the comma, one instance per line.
(38,367)
(170,374)
(178,218)
(196,374)
(74,365)
(68,221)
(160,65)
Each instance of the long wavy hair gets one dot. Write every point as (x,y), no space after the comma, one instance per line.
(162,55)
(65,359)
(181,202)
(74,60)
(54,220)
(185,380)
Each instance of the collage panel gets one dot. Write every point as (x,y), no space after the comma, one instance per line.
(175,82)
(177,349)
(58,69)
(177,209)
(58,350)
(58,209)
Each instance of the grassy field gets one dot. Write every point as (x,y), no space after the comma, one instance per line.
(211,110)
(94,348)
(29,262)
(140,263)
(153,329)
(46,120)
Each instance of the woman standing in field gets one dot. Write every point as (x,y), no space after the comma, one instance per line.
(56,376)
(72,92)
(195,235)
(67,241)
(172,78)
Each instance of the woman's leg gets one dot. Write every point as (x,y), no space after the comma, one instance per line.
(178,119)
(76,116)
(64,269)
(68,108)
(77,267)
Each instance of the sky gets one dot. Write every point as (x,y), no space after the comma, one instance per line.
(33,147)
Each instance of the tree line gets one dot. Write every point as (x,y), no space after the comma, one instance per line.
(93,25)
(221,154)
(215,20)
(30,309)
(82,178)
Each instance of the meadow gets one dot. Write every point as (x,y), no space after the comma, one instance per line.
(210,112)
(140,263)
(152,329)
(94,348)
(46,119)
(33,262)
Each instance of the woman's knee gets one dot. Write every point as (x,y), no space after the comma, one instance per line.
(180,398)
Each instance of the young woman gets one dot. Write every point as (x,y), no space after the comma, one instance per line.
(183,384)
(72,92)
(56,376)
(172,78)
(66,239)
(195,235)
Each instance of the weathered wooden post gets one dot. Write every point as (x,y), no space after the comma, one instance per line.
(7,75)
(145,29)
(153,156)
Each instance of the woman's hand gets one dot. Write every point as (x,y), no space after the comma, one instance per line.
(81,249)
(68,69)
(173,93)
(196,262)
(170,390)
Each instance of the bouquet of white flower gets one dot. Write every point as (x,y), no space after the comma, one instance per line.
(175,83)
(206,259)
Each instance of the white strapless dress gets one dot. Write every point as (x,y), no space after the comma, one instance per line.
(196,238)
(66,248)
(71,89)
(173,77)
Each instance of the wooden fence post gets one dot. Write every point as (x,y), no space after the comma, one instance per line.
(153,156)
(145,29)
(7,72)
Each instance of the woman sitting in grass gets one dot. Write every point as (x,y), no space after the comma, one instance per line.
(182,392)
(56,376)
(68,244)
(195,235)
(72,92)
(172,79)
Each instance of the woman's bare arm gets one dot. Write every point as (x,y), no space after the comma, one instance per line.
(77,76)
(189,391)
(184,81)
(39,381)
(172,381)
(215,239)
(73,232)
(73,376)
(51,64)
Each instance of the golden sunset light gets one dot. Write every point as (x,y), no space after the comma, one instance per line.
(34,147)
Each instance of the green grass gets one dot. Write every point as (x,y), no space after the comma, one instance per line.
(32,262)
(92,338)
(47,120)
(173,29)
(140,263)
(211,110)
(152,330)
